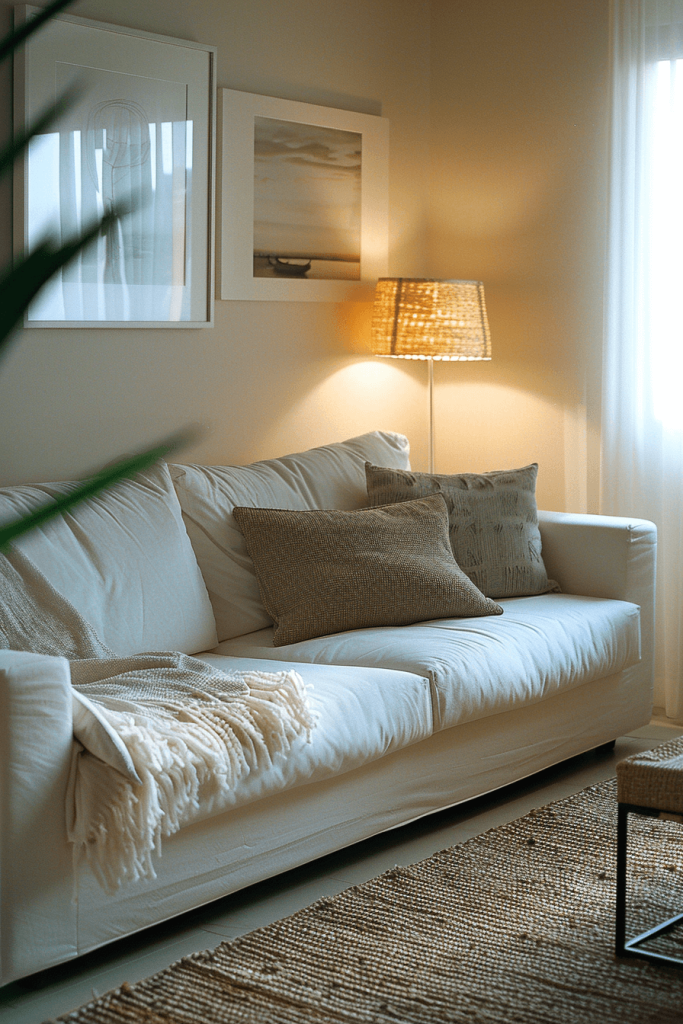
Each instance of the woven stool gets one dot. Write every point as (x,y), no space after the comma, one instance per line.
(650,783)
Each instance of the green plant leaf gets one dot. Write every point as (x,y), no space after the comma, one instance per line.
(15,38)
(107,477)
(22,283)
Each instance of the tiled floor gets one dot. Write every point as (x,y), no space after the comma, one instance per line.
(61,989)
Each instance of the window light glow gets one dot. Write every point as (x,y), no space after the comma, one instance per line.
(167,147)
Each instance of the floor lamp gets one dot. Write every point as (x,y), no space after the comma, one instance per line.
(419,318)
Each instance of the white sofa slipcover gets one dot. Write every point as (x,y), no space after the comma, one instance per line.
(411,720)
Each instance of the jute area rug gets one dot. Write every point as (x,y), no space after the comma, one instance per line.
(515,925)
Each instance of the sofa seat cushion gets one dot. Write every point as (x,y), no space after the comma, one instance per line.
(124,561)
(332,476)
(362,714)
(483,666)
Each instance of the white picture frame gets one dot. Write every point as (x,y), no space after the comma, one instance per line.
(242,116)
(156,93)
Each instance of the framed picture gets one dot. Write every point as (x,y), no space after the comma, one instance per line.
(139,133)
(303,200)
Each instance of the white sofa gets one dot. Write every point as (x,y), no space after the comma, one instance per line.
(412,719)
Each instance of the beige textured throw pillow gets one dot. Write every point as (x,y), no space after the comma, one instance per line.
(493,523)
(326,571)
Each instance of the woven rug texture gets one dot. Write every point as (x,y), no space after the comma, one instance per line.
(515,926)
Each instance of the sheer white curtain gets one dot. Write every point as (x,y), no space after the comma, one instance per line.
(642,429)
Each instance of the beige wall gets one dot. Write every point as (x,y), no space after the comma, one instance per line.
(517,146)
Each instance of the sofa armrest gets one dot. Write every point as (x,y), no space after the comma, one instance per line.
(38,915)
(600,556)
(606,556)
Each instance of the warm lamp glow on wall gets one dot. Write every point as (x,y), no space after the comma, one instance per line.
(418,318)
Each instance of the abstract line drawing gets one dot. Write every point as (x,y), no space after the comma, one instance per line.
(122,128)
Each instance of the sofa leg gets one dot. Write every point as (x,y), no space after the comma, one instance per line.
(607,746)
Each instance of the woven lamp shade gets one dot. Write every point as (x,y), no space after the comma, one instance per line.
(416,318)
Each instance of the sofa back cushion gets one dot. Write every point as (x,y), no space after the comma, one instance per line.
(332,476)
(123,559)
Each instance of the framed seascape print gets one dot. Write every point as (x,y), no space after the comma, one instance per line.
(137,135)
(303,200)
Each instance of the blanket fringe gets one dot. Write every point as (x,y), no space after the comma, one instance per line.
(186,762)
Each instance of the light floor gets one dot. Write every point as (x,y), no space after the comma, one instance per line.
(37,999)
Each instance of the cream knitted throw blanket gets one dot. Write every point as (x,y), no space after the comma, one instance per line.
(173,733)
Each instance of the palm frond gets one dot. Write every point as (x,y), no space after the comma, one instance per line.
(23,282)
(14,39)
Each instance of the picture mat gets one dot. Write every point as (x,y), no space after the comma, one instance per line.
(70,42)
(236,200)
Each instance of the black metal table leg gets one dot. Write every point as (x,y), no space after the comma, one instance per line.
(630,948)
(622,840)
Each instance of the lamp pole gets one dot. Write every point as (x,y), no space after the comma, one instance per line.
(431,414)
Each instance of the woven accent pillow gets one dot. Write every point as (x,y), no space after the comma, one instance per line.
(493,523)
(326,571)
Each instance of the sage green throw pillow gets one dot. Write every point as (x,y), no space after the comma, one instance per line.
(326,571)
(493,523)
